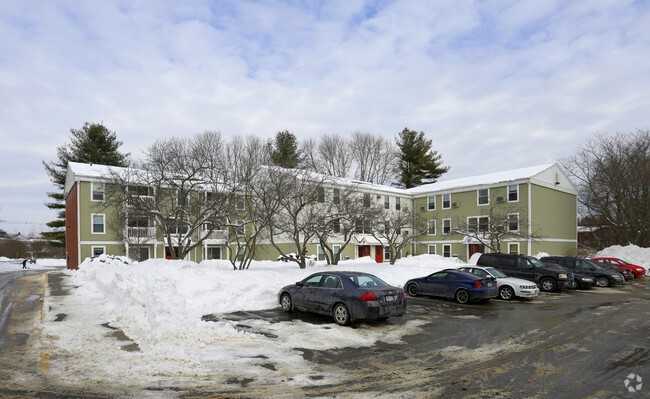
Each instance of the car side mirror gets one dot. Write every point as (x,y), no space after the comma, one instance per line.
(299,283)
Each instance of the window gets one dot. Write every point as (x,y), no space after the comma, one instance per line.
(478,224)
(97,191)
(96,251)
(366,200)
(336,196)
(446,226)
(213,253)
(386,202)
(320,194)
(431,203)
(387,253)
(98,223)
(320,253)
(336,225)
(513,222)
(446,250)
(483,196)
(182,198)
(513,248)
(336,249)
(240,229)
(513,193)
(432,249)
(398,204)
(239,203)
(431,230)
(386,228)
(446,201)
(240,254)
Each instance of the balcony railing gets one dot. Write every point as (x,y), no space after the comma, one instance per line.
(141,232)
(141,200)
(216,235)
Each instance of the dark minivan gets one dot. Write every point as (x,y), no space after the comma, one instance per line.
(547,277)
(604,277)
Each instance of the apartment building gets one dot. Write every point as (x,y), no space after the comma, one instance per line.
(539,204)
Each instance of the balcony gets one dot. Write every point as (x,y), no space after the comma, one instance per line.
(141,201)
(215,235)
(143,233)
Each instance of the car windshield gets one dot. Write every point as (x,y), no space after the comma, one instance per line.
(496,273)
(366,280)
(536,261)
(596,265)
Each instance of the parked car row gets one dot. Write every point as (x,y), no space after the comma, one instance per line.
(352,296)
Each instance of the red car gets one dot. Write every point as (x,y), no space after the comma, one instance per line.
(637,270)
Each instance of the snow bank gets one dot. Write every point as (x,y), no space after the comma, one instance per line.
(631,253)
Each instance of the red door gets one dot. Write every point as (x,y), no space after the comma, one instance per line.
(379,254)
(168,254)
(364,250)
(475,248)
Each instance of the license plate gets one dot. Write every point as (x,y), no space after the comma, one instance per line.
(489,284)
(390,298)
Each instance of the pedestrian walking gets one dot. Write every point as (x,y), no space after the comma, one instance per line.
(25,264)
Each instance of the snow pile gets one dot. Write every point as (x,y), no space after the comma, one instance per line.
(630,253)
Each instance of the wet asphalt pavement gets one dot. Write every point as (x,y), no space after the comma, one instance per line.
(573,344)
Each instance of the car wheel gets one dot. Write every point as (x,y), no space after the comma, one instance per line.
(506,293)
(413,289)
(462,296)
(602,282)
(547,284)
(285,301)
(341,314)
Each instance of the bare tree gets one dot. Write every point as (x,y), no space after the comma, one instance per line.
(298,193)
(255,201)
(180,187)
(375,157)
(397,229)
(613,179)
(498,224)
(336,220)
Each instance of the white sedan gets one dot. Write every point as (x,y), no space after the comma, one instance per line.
(509,287)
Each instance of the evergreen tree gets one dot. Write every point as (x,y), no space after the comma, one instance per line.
(284,150)
(418,164)
(93,143)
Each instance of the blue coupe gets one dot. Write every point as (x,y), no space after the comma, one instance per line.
(346,296)
(454,284)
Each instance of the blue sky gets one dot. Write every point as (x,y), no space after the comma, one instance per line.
(495,84)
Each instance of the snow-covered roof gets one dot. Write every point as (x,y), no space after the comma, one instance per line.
(508,176)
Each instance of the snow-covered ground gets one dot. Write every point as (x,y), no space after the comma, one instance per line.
(159,305)
(7,264)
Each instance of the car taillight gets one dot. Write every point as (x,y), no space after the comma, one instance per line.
(368,296)
(477,284)
(403,294)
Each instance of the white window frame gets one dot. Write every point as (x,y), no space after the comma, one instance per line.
(508,193)
(432,246)
(336,249)
(518,223)
(207,250)
(92,223)
(431,231)
(448,202)
(398,203)
(386,202)
(92,191)
(444,227)
(336,196)
(513,245)
(430,203)
(479,196)
(446,250)
(94,247)
(319,252)
(478,223)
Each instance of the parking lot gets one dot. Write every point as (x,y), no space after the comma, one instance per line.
(563,345)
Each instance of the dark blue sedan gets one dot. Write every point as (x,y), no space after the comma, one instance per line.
(346,296)
(454,284)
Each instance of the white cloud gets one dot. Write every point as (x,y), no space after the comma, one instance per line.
(483,80)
